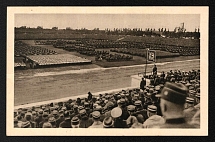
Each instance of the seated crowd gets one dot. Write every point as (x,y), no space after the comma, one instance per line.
(168,102)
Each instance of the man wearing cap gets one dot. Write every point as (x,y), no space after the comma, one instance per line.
(122,105)
(60,118)
(39,118)
(100,109)
(140,110)
(134,123)
(47,125)
(52,120)
(190,111)
(45,119)
(172,102)
(75,122)
(116,114)
(67,121)
(154,120)
(26,124)
(85,121)
(28,116)
(96,118)
(110,106)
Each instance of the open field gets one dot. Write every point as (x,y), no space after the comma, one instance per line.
(35,85)
(136,59)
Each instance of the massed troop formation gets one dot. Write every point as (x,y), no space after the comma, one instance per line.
(172,101)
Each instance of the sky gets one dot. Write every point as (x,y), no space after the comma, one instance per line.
(102,21)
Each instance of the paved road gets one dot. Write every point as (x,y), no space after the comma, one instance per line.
(37,87)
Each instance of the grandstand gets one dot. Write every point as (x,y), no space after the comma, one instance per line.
(35,115)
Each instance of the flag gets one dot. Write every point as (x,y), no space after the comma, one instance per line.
(151,55)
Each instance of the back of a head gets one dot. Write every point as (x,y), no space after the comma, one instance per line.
(173,97)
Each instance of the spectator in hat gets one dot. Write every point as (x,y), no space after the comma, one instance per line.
(28,117)
(162,77)
(135,123)
(143,83)
(122,105)
(154,120)
(140,110)
(67,121)
(85,121)
(87,108)
(60,118)
(116,114)
(39,118)
(96,118)
(26,124)
(75,122)
(109,106)
(172,102)
(108,122)
(100,109)
(34,116)
(47,125)
(75,111)
(130,121)
(45,119)
(190,111)
(52,121)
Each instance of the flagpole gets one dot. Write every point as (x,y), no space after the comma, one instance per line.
(146,59)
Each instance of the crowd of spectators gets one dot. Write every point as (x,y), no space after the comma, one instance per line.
(172,100)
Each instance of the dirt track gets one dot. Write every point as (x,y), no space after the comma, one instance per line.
(30,88)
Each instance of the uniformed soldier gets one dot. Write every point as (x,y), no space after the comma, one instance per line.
(154,120)
(154,70)
(172,102)
(143,83)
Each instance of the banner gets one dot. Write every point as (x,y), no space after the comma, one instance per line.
(151,55)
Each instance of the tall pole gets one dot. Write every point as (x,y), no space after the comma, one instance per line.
(146,59)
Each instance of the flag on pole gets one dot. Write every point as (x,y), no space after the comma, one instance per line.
(151,55)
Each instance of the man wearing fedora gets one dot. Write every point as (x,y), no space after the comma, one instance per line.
(173,97)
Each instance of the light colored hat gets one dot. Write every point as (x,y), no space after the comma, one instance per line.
(116,112)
